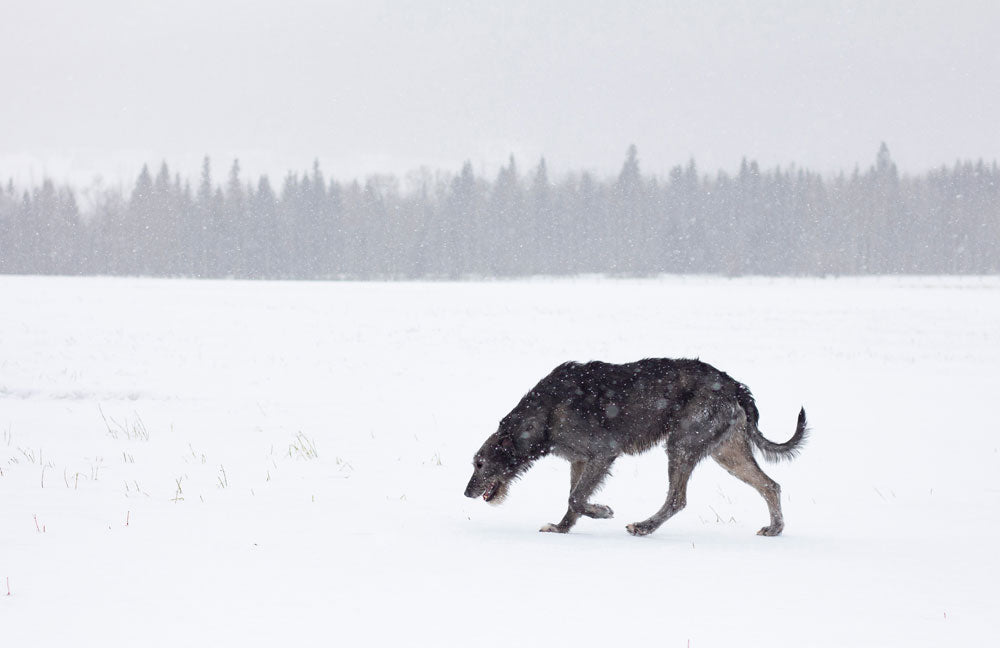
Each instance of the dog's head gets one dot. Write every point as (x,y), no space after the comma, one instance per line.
(507,453)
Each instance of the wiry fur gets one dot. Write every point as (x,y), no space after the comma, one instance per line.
(589,414)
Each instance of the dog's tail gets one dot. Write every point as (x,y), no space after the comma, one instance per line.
(772,451)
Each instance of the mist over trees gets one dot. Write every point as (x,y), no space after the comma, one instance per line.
(521,222)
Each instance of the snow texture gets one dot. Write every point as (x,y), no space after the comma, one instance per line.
(275,464)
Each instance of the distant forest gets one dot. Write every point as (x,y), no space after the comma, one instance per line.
(521,222)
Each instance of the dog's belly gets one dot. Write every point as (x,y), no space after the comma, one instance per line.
(627,437)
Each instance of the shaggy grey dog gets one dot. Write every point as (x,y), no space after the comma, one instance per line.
(590,414)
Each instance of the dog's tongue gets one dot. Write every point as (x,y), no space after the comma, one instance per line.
(491,491)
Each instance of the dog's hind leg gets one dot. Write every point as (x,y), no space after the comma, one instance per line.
(585,477)
(736,456)
(680,468)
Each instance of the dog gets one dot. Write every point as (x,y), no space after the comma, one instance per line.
(592,413)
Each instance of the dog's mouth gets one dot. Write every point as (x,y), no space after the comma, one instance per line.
(491,491)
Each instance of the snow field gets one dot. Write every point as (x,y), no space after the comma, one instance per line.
(308,444)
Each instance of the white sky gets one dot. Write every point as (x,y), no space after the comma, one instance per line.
(99,87)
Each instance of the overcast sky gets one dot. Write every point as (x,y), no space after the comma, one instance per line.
(99,87)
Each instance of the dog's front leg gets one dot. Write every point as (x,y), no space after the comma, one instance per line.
(585,477)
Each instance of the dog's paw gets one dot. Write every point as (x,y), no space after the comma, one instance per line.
(552,528)
(770,531)
(599,511)
(640,528)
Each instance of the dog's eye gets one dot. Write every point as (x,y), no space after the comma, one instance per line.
(479,464)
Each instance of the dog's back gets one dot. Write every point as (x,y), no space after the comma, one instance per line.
(639,404)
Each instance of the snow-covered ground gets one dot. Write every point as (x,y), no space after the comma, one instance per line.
(193,463)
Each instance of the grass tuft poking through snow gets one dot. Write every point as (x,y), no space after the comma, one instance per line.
(302,448)
(134,430)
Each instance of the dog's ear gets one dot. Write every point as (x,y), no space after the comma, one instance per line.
(530,432)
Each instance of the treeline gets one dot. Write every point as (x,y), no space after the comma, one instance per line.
(771,222)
